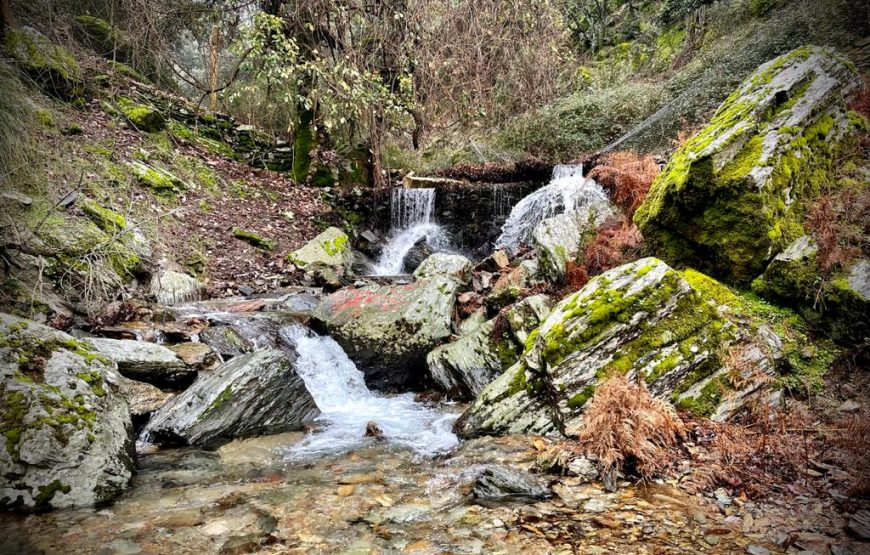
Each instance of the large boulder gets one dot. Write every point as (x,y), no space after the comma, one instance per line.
(68,436)
(641,319)
(330,249)
(454,266)
(842,302)
(466,366)
(170,288)
(527,314)
(735,194)
(146,362)
(254,394)
(560,240)
(48,63)
(388,329)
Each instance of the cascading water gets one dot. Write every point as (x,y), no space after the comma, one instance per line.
(567,190)
(347,405)
(411,221)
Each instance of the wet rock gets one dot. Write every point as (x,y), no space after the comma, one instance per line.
(387,330)
(254,394)
(373,430)
(198,356)
(527,314)
(454,266)
(501,482)
(608,326)
(258,451)
(466,366)
(171,288)
(560,240)
(473,322)
(143,398)
(412,181)
(146,362)
(69,439)
(416,255)
(328,251)
(226,341)
(734,194)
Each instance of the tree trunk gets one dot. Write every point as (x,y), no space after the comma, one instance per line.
(214,46)
(6,19)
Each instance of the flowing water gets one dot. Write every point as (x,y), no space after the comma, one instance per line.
(567,190)
(348,406)
(411,220)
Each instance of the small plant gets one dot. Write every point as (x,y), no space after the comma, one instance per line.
(626,428)
(616,242)
(627,177)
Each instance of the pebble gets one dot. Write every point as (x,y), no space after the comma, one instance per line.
(345,491)
(710,539)
(594,506)
(757,550)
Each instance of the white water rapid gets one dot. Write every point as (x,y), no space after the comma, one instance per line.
(347,406)
(410,220)
(567,190)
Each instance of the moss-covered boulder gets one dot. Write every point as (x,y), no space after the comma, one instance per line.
(145,118)
(526,315)
(68,436)
(48,63)
(466,366)
(330,248)
(641,319)
(254,394)
(735,194)
(162,182)
(254,239)
(841,301)
(388,329)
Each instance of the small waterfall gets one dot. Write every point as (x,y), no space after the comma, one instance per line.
(567,190)
(411,220)
(347,406)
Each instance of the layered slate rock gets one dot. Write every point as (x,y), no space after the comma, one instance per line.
(736,193)
(146,362)
(68,436)
(454,266)
(466,366)
(387,330)
(253,394)
(226,341)
(793,278)
(527,314)
(560,240)
(641,319)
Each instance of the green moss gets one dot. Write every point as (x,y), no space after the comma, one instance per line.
(252,238)
(336,246)
(219,401)
(579,400)
(51,65)
(518,382)
(160,181)
(44,118)
(145,118)
(127,71)
(707,400)
(107,220)
(46,494)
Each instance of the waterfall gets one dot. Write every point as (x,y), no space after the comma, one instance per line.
(347,406)
(411,221)
(567,190)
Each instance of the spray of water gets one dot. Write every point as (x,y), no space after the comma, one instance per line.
(411,220)
(567,190)
(347,406)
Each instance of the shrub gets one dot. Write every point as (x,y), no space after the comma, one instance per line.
(627,428)
(627,176)
(616,242)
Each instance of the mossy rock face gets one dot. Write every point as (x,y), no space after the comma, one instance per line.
(162,182)
(48,63)
(736,193)
(642,320)
(841,303)
(560,240)
(145,118)
(61,403)
(101,36)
